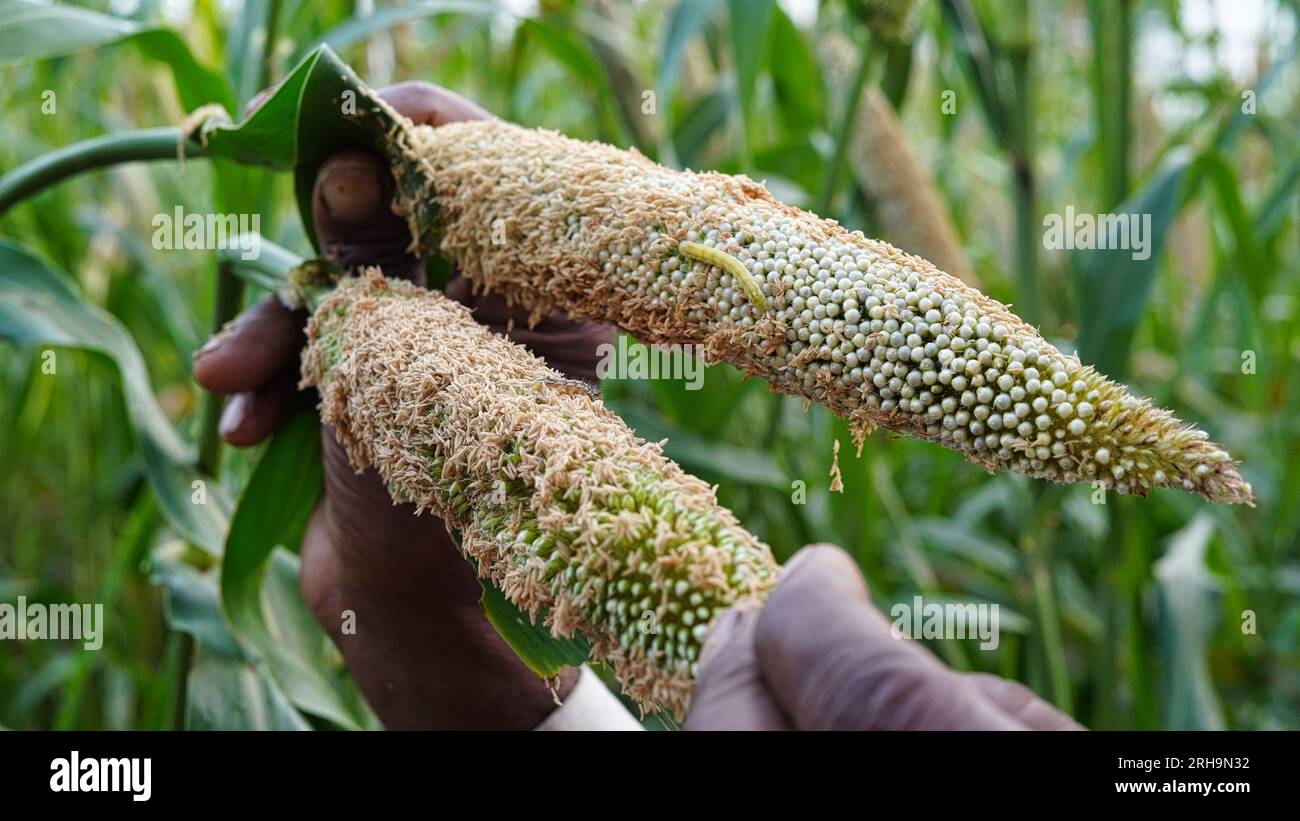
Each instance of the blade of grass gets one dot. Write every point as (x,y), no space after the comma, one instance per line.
(868,56)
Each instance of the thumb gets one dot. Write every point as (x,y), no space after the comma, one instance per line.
(354,219)
(831,661)
(731,694)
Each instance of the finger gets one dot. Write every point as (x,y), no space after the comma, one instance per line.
(427,104)
(569,346)
(830,659)
(355,223)
(251,416)
(731,694)
(1021,703)
(249,352)
(572,348)
(492,310)
(351,201)
(366,514)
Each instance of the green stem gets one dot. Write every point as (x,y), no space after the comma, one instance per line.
(1028,227)
(226,303)
(1105,708)
(180,689)
(915,564)
(147,145)
(844,130)
(1111,86)
(1028,231)
(1124,87)
(266,75)
(1049,623)
(1038,554)
(898,70)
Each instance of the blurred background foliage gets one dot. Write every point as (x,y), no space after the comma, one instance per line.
(1128,614)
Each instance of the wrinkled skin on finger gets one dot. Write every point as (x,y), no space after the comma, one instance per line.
(821,656)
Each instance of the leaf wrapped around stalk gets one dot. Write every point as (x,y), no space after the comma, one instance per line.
(562,507)
(881,337)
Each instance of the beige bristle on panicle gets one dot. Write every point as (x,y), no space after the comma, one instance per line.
(558,502)
(881,337)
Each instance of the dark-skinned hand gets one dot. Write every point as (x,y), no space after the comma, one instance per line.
(422,653)
(820,656)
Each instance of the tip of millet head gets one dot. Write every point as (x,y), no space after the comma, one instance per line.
(879,336)
(1218,480)
(1232,490)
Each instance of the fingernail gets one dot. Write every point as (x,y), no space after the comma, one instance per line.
(233,415)
(351,191)
(214,342)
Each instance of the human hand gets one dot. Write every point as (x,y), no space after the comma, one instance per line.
(819,655)
(422,653)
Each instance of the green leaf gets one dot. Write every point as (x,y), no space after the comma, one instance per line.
(687,19)
(39,307)
(977,61)
(1114,288)
(190,602)
(571,51)
(701,122)
(1247,256)
(748,34)
(795,76)
(32,31)
(287,616)
(227,695)
(246,45)
(36,31)
(307,117)
(225,690)
(130,548)
(796,160)
(322,107)
(544,654)
(983,549)
(48,679)
(196,84)
(273,511)
(577,54)
(357,29)
(1272,214)
(707,457)
(1189,599)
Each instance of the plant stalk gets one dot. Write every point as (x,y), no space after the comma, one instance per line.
(844,129)
(1021,153)
(146,145)
(226,301)
(1035,543)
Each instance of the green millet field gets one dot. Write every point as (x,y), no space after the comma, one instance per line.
(1000,297)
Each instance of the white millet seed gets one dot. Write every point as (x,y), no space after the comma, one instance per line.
(882,338)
